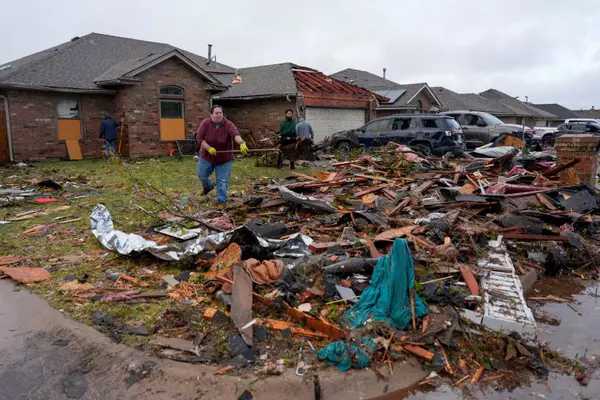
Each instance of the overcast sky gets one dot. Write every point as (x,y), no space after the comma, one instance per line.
(548,50)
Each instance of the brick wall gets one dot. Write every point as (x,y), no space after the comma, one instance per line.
(424,100)
(34,126)
(257,116)
(140,104)
(583,147)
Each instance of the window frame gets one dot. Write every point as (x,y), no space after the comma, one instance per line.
(182,102)
(168,95)
(379,121)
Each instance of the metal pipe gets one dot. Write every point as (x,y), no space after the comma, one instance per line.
(8,130)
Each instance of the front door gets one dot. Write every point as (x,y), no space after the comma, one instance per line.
(4,151)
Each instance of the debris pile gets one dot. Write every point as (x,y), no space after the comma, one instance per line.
(369,261)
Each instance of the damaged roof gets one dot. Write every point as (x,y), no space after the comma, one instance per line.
(400,95)
(288,79)
(518,107)
(84,63)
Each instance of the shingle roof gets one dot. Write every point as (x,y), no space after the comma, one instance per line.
(369,81)
(76,64)
(587,114)
(517,107)
(469,101)
(264,80)
(556,109)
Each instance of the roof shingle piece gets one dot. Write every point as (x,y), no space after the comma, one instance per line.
(75,64)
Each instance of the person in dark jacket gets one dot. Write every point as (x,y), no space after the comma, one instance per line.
(215,136)
(108,132)
(287,139)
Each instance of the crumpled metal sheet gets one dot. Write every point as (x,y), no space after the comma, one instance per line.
(127,243)
(307,201)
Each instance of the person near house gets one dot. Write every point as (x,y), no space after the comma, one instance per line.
(306,138)
(108,132)
(215,136)
(287,139)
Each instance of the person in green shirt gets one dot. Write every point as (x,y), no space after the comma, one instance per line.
(287,139)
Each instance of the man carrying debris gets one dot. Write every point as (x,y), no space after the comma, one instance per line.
(306,138)
(287,139)
(215,137)
(108,132)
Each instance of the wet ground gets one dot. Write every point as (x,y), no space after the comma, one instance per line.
(577,336)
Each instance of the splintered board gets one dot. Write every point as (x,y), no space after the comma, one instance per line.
(74,149)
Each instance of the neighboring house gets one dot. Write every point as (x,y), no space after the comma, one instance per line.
(591,113)
(257,103)
(561,113)
(64,92)
(501,105)
(402,99)
(522,113)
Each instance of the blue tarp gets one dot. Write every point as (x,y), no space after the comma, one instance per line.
(386,299)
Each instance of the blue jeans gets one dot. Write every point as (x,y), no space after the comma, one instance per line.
(109,146)
(222,172)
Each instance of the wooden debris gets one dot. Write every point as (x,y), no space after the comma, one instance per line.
(224,370)
(74,286)
(375,178)
(412,308)
(371,190)
(457,383)
(418,351)
(210,312)
(425,324)
(8,260)
(277,325)
(447,366)
(470,280)
(477,375)
(395,233)
(26,275)
(398,209)
(372,249)
(525,236)
(542,199)
(467,188)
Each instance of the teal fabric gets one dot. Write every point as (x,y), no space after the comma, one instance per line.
(387,298)
(348,355)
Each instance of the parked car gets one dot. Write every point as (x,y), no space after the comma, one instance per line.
(438,134)
(544,135)
(580,127)
(481,128)
(572,120)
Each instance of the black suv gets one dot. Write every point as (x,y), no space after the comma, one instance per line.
(439,134)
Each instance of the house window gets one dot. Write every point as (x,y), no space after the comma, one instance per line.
(172,109)
(419,106)
(67,109)
(174,91)
(68,118)
(172,122)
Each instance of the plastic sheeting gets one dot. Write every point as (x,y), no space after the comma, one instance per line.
(128,243)
(387,299)
(348,355)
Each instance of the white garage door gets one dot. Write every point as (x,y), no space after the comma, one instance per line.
(326,121)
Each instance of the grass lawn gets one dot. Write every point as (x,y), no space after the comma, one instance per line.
(68,250)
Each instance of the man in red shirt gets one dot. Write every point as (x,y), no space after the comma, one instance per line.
(215,137)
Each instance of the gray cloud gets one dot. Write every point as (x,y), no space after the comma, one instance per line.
(548,50)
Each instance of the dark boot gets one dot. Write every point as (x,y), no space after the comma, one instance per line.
(292,165)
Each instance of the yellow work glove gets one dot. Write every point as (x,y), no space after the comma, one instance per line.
(212,151)
(243,148)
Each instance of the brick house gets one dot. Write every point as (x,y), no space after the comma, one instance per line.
(64,92)
(259,99)
(401,99)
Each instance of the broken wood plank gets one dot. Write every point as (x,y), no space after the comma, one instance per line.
(340,182)
(26,275)
(392,234)
(470,280)
(277,325)
(371,190)
(418,351)
(425,324)
(544,200)
(306,177)
(224,370)
(467,188)
(412,308)
(541,238)
(241,302)
(477,374)
(533,265)
(375,178)
(560,167)
(397,210)
(372,249)
(423,187)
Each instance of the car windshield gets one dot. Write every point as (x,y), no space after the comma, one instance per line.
(490,119)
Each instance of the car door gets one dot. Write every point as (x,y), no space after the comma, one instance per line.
(431,131)
(403,130)
(372,132)
(475,129)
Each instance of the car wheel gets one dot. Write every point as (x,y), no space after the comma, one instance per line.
(422,148)
(548,141)
(344,147)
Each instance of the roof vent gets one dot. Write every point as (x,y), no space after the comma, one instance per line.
(76,38)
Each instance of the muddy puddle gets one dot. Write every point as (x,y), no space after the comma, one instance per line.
(577,336)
